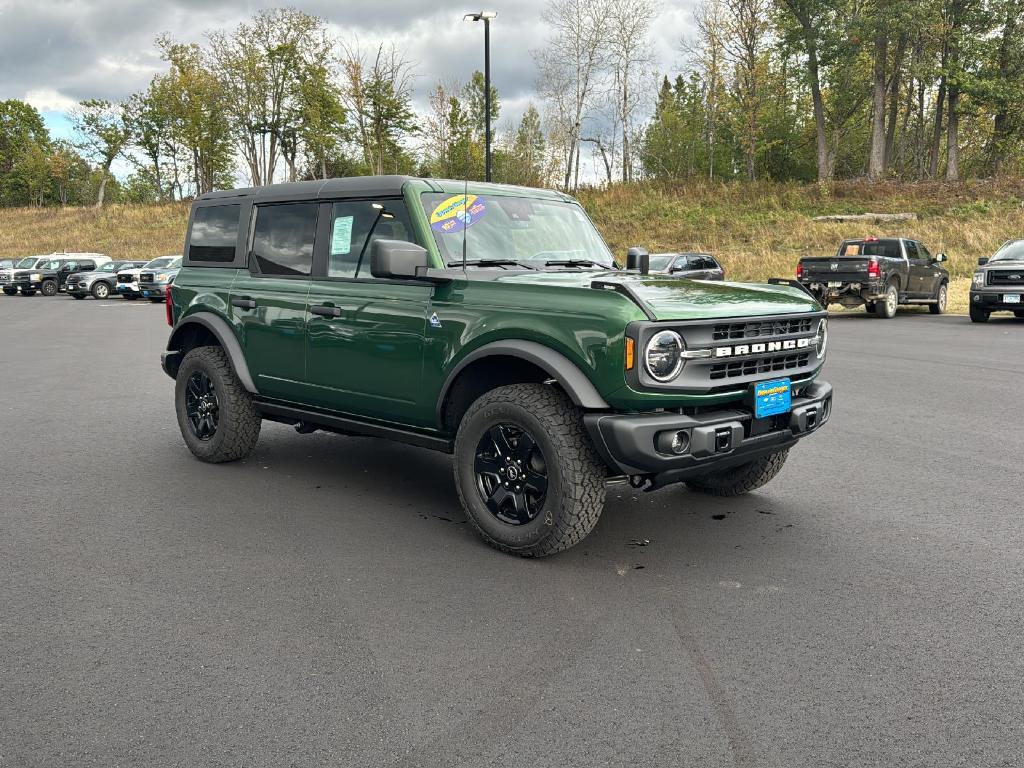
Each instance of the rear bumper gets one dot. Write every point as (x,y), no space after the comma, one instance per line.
(993,300)
(866,290)
(628,442)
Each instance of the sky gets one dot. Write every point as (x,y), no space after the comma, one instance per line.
(54,53)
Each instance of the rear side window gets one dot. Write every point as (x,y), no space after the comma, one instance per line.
(214,233)
(283,239)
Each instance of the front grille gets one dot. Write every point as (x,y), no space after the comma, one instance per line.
(1006,277)
(758,365)
(4,279)
(757,330)
(125,278)
(146,277)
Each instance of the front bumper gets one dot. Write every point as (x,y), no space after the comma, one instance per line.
(717,439)
(995,300)
(153,290)
(127,288)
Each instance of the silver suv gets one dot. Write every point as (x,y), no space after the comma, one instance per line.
(998,283)
(98,283)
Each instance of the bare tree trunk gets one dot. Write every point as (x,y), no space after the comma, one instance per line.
(940,103)
(876,160)
(953,135)
(894,98)
(103,186)
(818,105)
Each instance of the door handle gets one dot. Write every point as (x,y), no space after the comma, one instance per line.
(244,302)
(325,310)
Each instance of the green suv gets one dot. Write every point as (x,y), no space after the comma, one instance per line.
(491,323)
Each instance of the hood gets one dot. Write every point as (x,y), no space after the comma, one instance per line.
(134,271)
(676,298)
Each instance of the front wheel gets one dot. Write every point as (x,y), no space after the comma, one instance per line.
(886,308)
(49,288)
(527,475)
(216,414)
(979,315)
(736,481)
(939,307)
(100,290)
(10,291)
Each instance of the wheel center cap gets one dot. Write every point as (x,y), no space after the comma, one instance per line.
(513,472)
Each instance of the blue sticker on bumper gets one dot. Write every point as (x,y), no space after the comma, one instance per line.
(772,398)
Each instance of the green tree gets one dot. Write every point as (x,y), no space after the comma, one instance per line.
(104,135)
(23,139)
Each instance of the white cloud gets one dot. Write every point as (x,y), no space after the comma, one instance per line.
(49,100)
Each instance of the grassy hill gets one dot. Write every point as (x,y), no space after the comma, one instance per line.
(759,230)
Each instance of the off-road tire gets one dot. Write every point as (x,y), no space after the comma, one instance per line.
(49,288)
(10,291)
(979,315)
(239,422)
(576,489)
(886,308)
(941,297)
(736,481)
(100,290)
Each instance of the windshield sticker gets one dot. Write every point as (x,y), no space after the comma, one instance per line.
(341,236)
(457,213)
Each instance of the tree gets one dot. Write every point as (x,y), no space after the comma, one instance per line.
(103,136)
(629,23)
(23,139)
(745,47)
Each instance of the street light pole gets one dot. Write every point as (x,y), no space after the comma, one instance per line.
(485,17)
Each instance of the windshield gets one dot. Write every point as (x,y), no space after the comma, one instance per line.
(110,266)
(27,263)
(1010,252)
(165,261)
(521,229)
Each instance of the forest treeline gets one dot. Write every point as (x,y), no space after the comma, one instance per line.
(787,90)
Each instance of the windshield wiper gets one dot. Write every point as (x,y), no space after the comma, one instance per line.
(575,263)
(491,263)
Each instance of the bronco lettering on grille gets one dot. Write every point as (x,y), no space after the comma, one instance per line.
(740,350)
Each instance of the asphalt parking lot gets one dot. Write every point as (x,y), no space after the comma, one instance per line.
(324,603)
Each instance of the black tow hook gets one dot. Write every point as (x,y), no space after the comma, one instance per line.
(640,482)
(303,428)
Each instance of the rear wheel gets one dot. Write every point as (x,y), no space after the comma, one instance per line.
(745,478)
(100,290)
(49,288)
(886,308)
(10,291)
(940,300)
(527,475)
(979,315)
(216,414)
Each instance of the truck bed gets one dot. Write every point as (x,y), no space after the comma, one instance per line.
(848,269)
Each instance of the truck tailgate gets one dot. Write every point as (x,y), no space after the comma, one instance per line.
(838,269)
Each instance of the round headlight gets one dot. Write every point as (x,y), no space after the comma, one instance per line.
(664,355)
(821,340)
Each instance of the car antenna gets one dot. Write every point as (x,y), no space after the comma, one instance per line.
(465,206)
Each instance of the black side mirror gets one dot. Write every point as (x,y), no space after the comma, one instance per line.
(638,259)
(983,261)
(941,257)
(397,259)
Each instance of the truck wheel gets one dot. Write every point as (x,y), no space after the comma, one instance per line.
(940,300)
(216,414)
(49,288)
(527,475)
(28,293)
(78,296)
(886,308)
(979,315)
(11,291)
(745,478)
(869,306)
(100,290)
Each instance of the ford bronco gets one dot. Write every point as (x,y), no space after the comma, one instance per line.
(492,323)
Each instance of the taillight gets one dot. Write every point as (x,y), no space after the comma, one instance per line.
(799,271)
(873,269)
(168,306)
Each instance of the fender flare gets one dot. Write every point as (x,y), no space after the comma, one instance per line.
(222,331)
(560,368)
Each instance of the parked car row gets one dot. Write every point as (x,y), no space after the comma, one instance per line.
(88,274)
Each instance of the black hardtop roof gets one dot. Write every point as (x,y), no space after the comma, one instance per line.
(364,186)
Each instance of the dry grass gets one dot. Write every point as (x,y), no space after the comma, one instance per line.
(120,231)
(758,230)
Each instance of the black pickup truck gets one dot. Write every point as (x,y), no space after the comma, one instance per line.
(880,273)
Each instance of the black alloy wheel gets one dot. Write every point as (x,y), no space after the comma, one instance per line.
(201,406)
(511,474)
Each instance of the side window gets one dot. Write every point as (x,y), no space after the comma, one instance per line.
(85,266)
(681,263)
(355,224)
(922,252)
(282,242)
(214,233)
(911,247)
(70,266)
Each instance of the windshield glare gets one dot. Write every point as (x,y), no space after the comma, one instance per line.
(661,262)
(165,261)
(1010,252)
(499,228)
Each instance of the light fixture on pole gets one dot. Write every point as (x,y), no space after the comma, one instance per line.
(485,17)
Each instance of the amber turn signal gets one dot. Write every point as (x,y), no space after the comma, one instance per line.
(630,350)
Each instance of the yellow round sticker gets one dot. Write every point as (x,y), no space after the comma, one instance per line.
(457,213)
